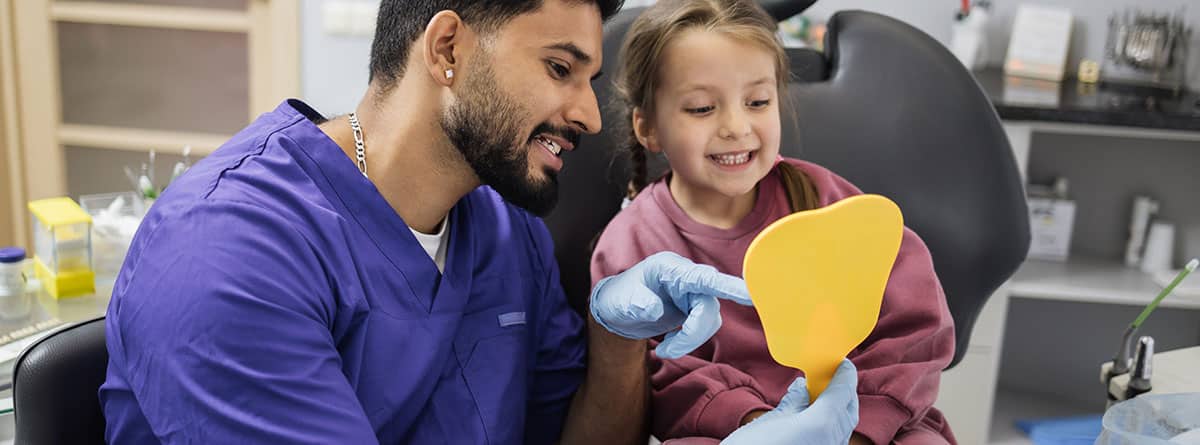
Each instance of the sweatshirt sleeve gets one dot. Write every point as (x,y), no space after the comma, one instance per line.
(705,399)
(900,363)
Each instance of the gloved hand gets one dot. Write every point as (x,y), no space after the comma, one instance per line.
(663,292)
(829,420)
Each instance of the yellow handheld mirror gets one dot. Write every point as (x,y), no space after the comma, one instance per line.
(817,279)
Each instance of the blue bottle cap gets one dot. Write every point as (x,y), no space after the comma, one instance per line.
(12,255)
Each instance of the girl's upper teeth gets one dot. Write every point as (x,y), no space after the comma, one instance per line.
(732,159)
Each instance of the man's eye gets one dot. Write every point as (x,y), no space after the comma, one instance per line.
(560,72)
(699,110)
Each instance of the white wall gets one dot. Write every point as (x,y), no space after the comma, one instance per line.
(1087,37)
(335,66)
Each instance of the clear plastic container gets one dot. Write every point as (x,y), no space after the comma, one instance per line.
(115,219)
(63,249)
(62,234)
(1153,419)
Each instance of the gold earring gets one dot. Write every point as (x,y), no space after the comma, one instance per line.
(449,74)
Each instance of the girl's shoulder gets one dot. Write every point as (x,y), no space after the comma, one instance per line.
(638,230)
(830,186)
(636,216)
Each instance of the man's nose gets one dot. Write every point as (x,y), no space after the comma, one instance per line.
(584,112)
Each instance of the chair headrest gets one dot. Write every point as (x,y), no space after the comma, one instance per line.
(782,9)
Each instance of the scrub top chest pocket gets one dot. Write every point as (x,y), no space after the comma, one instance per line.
(493,350)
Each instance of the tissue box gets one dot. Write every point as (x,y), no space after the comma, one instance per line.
(1050,223)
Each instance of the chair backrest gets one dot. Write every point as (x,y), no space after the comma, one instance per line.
(900,116)
(55,384)
(593,179)
(887,107)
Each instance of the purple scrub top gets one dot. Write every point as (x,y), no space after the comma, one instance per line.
(273,296)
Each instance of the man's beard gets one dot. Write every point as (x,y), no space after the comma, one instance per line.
(485,127)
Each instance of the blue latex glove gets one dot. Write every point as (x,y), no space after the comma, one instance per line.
(829,420)
(663,292)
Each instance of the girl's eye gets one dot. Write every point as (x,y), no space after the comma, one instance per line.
(760,103)
(699,110)
(560,72)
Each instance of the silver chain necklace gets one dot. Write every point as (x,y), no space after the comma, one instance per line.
(360,150)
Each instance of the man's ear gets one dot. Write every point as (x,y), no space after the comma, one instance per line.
(443,45)
(644,131)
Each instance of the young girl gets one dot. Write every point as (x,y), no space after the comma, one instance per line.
(703,82)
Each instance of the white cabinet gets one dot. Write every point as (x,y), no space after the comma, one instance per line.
(967,390)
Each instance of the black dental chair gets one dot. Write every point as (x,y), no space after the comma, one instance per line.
(55,384)
(885,106)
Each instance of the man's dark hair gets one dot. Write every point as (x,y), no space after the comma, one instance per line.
(400,22)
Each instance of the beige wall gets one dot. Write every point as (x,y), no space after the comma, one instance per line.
(10,187)
(12,228)
(6,216)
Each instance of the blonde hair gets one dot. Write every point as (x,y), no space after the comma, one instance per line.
(641,53)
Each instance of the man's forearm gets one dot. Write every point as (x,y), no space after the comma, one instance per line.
(611,404)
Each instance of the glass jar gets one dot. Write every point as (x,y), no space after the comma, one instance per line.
(14,301)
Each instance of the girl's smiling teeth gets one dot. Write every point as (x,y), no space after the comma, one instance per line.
(738,158)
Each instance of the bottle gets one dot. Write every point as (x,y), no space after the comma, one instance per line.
(1144,209)
(1160,248)
(968,39)
(14,301)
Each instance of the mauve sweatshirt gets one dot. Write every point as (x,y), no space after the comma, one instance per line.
(707,393)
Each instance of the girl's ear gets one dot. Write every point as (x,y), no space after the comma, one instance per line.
(644,131)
